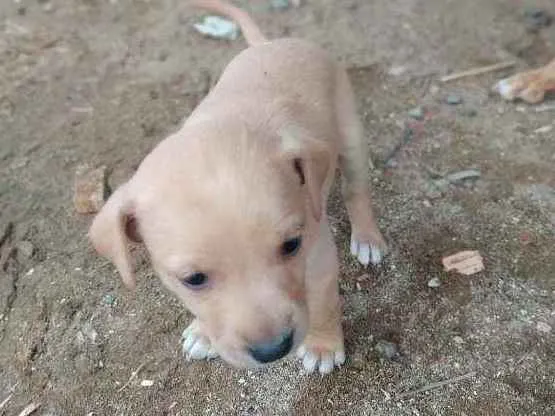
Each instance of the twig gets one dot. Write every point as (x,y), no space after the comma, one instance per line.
(478,71)
(5,256)
(133,376)
(6,233)
(5,401)
(437,385)
(408,135)
(545,107)
(29,409)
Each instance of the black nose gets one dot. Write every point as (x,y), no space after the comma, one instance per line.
(274,349)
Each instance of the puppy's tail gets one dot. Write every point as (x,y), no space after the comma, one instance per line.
(251,31)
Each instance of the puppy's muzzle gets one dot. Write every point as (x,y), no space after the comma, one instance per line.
(272,350)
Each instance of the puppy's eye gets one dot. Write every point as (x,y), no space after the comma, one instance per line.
(196,280)
(291,247)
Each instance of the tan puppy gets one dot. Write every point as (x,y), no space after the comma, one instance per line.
(232,206)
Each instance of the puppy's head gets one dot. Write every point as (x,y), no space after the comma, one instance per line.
(228,225)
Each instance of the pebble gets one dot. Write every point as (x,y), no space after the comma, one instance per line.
(543,327)
(463,175)
(544,129)
(434,283)
(470,112)
(537,18)
(279,4)
(147,383)
(417,113)
(218,27)
(109,299)
(392,163)
(453,99)
(397,71)
(388,350)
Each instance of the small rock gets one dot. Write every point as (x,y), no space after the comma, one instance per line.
(218,27)
(25,250)
(89,189)
(543,327)
(544,129)
(458,340)
(537,19)
(397,71)
(279,4)
(109,299)
(391,163)
(434,283)
(147,383)
(453,99)
(463,175)
(417,113)
(388,350)
(470,112)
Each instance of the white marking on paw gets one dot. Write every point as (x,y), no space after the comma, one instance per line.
(196,346)
(324,363)
(505,89)
(366,253)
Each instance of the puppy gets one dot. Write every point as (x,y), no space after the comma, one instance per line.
(530,86)
(232,207)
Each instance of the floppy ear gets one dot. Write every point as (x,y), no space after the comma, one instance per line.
(311,160)
(111,231)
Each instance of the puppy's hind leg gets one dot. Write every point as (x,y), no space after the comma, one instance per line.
(367,242)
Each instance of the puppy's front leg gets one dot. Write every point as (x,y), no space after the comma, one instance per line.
(323,347)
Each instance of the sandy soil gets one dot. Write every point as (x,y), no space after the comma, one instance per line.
(102,81)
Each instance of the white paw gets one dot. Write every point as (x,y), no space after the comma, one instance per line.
(323,362)
(505,89)
(366,253)
(195,345)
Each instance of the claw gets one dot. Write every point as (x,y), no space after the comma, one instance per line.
(366,253)
(323,362)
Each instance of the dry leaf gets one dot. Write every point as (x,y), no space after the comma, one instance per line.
(465,262)
(89,189)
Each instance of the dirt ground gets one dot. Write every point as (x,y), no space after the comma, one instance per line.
(102,81)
